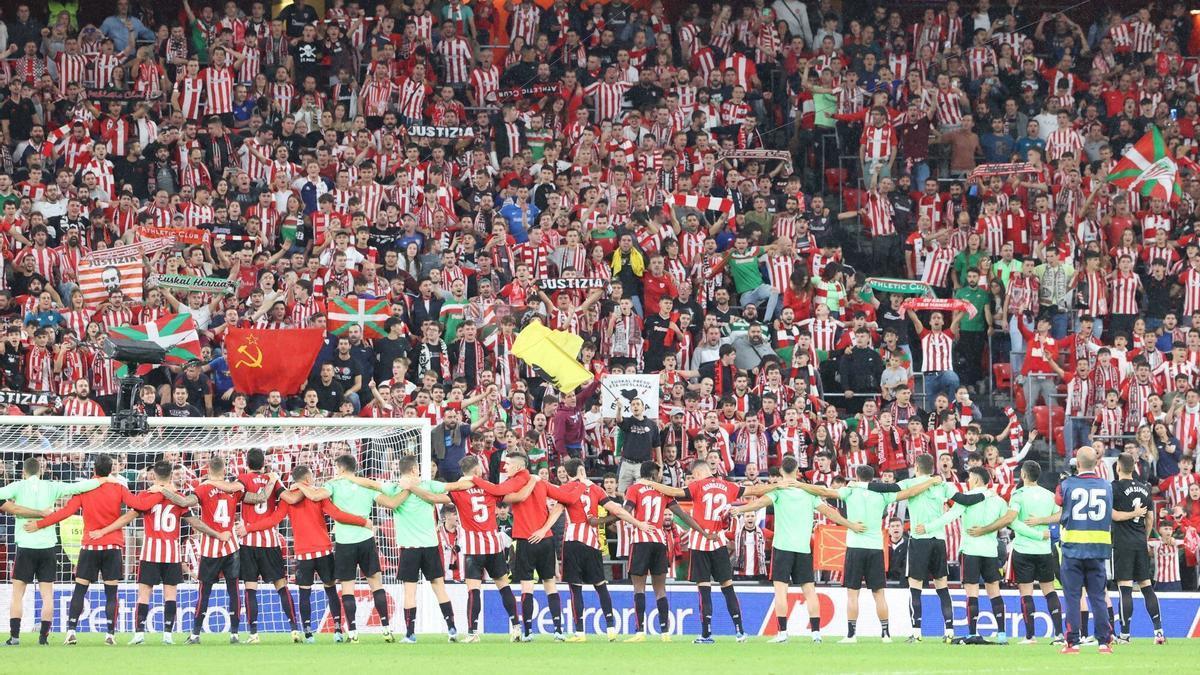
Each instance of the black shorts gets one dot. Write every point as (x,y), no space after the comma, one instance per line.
(710,566)
(107,564)
(1031,567)
(348,559)
(155,573)
(791,567)
(582,564)
(211,569)
(1131,564)
(976,566)
(863,567)
(494,564)
(926,559)
(421,560)
(36,563)
(530,558)
(307,570)
(648,557)
(261,562)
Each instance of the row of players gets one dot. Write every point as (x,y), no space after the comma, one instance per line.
(352,554)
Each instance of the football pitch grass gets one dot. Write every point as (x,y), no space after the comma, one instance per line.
(433,655)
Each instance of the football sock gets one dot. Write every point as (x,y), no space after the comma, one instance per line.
(706,611)
(381,608)
(473,597)
(410,621)
(235,604)
(1126,607)
(306,610)
(577,606)
(335,607)
(606,604)
(998,612)
(664,614)
(510,605)
(851,627)
(1055,607)
(447,614)
(527,612)
(734,607)
(947,608)
(639,611)
(201,608)
(14,628)
(1027,615)
(914,606)
(1151,600)
(781,622)
(44,631)
(76,606)
(972,614)
(110,606)
(1084,615)
(252,609)
(883,628)
(814,624)
(350,610)
(552,599)
(143,611)
(285,599)
(170,610)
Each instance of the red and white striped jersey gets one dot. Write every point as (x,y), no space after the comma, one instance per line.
(1061,141)
(218,510)
(1176,488)
(1166,559)
(823,331)
(251,513)
(977,58)
(1123,293)
(191,92)
(649,506)
(1109,422)
(879,214)
(878,142)
(477,521)
(581,501)
(283,94)
(937,351)
(103,169)
(376,97)
(456,56)
(1190,279)
(526,18)
(711,500)
(607,99)
(45,260)
(71,68)
(218,90)
(161,523)
(72,406)
(412,98)
(103,66)
(938,262)
(948,111)
(485,83)
(1142,36)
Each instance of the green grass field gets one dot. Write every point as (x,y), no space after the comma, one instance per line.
(432,654)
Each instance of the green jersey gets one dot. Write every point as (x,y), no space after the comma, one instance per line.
(353,499)
(415,519)
(1031,502)
(866,507)
(35,493)
(743,267)
(927,507)
(982,514)
(793,519)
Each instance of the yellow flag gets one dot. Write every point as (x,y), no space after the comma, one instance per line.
(555,352)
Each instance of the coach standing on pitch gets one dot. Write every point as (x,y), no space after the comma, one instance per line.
(1086,501)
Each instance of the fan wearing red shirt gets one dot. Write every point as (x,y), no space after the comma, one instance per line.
(711,499)
(218,503)
(160,561)
(648,555)
(582,562)
(102,554)
(532,520)
(482,546)
(310,544)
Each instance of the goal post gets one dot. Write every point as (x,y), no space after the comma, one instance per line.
(67,446)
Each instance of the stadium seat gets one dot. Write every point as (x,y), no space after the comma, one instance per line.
(1002,374)
(834,178)
(1060,442)
(852,198)
(1041,420)
(1019,399)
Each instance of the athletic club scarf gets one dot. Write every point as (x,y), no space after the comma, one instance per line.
(460,369)
(133,251)
(900,286)
(534,90)
(190,283)
(570,284)
(427,356)
(703,203)
(1004,169)
(938,305)
(182,235)
(441,132)
(758,153)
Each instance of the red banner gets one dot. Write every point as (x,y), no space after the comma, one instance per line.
(829,548)
(182,235)
(262,360)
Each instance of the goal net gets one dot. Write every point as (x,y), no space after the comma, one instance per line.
(67,446)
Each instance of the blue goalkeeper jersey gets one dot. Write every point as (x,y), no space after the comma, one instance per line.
(1086,516)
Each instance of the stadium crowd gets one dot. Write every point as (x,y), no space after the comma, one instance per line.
(738,198)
